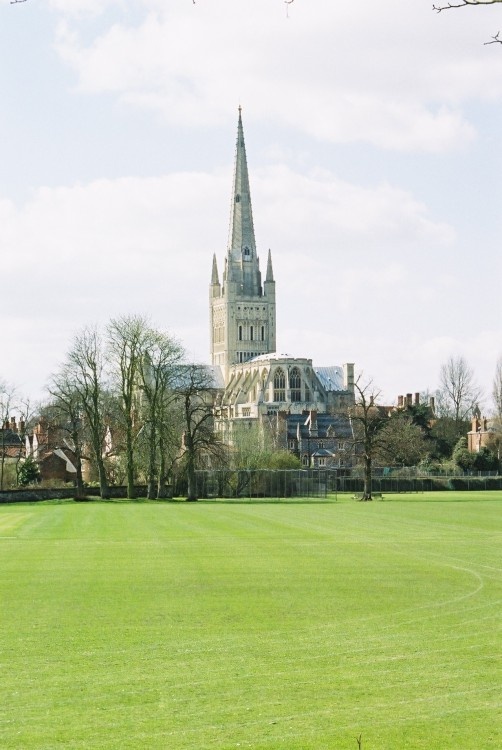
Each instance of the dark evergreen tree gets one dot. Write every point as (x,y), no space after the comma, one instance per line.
(29,473)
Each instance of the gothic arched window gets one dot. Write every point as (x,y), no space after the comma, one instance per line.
(295,384)
(279,385)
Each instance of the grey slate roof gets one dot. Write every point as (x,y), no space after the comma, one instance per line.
(339,423)
(331,377)
(9,437)
(216,376)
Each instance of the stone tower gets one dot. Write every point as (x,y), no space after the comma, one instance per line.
(242,308)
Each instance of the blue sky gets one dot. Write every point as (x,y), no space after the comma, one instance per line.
(373,142)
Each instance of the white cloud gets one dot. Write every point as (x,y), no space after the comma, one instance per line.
(91,252)
(340,211)
(79,8)
(339,73)
(366,270)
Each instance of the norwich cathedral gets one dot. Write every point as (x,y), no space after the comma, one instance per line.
(303,404)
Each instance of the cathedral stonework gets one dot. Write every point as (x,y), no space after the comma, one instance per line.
(242,307)
(256,384)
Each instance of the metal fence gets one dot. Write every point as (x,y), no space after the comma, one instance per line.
(319,483)
(275,483)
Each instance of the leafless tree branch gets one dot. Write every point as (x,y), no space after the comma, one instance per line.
(463,4)
(495,39)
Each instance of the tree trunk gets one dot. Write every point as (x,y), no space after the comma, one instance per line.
(131,491)
(2,463)
(103,482)
(367,479)
(152,464)
(192,482)
(79,482)
(161,482)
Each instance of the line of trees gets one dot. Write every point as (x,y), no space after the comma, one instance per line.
(134,411)
(133,407)
(419,434)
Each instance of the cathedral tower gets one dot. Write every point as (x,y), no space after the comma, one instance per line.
(242,308)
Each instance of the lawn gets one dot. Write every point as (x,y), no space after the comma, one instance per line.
(294,625)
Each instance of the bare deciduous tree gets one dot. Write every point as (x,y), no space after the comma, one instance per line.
(84,366)
(66,412)
(7,395)
(127,337)
(497,388)
(158,371)
(367,420)
(195,392)
(458,394)
(496,426)
(24,408)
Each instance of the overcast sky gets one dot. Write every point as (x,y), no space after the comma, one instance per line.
(373,136)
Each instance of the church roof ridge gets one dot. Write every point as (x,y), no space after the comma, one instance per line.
(277,355)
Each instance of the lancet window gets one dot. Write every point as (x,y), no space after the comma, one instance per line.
(295,384)
(279,385)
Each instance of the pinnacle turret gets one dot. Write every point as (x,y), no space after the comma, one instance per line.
(270,272)
(214,275)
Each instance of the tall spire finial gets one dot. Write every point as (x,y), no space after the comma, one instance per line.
(241,219)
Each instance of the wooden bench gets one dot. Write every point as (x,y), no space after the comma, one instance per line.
(373,495)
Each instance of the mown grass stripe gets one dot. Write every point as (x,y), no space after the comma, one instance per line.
(264,625)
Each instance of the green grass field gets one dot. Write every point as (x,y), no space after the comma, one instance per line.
(259,625)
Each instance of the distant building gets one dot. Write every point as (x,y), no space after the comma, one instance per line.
(411,400)
(482,433)
(11,441)
(255,383)
(52,451)
(321,441)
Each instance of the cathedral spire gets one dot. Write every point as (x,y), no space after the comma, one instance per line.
(270,272)
(214,275)
(241,219)
(243,320)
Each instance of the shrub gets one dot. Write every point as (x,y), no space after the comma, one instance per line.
(28,473)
